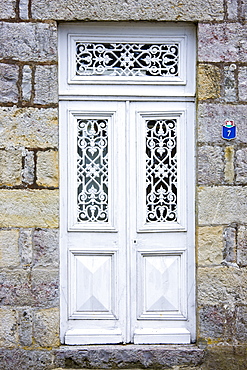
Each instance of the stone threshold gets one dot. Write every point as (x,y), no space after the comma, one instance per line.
(128,356)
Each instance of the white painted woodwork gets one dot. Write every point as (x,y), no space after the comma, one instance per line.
(127,278)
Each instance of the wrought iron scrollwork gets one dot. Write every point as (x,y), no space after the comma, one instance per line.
(127,59)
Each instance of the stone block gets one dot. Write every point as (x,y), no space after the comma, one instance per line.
(26,42)
(46,327)
(29,208)
(26,83)
(7,9)
(25,327)
(241,166)
(230,83)
(28,127)
(229,164)
(45,85)
(23,9)
(129,357)
(210,244)
(212,116)
(209,81)
(25,247)
(214,322)
(29,165)
(111,10)
(210,165)
(22,359)
(242,246)
(11,167)
(15,288)
(47,168)
(232,9)
(8,80)
(242,83)
(222,205)
(241,324)
(45,288)
(8,328)
(225,42)
(45,248)
(9,252)
(221,285)
(229,242)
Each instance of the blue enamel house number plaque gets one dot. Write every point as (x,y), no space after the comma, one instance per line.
(229,130)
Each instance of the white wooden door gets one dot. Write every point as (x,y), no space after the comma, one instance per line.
(127,221)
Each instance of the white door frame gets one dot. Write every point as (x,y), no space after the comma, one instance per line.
(123,94)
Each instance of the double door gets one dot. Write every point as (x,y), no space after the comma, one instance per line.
(127,222)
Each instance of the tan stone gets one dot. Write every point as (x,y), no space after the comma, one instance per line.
(8,328)
(28,127)
(11,167)
(229,164)
(46,327)
(227,285)
(210,244)
(208,81)
(222,205)
(29,208)
(47,168)
(9,253)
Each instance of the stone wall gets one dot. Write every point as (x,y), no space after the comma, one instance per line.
(29,264)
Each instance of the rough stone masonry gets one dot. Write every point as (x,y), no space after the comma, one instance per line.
(29,204)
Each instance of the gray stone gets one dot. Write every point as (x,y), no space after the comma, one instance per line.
(212,116)
(8,81)
(128,356)
(28,127)
(45,288)
(45,248)
(25,247)
(225,286)
(242,246)
(243,10)
(29,165)
(222,205)
(22,359)
(15,288)
(214,322)
(229,243)
(45,85)
(242,83)
(28,41)
(25,327)
(7,9)
(222,42)
(111,10)
(210,165)
(232,9)
(23,9)
(26,83)
(241,166)
(241,324)
(230,85)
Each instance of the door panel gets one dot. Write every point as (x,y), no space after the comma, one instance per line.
(161,233)
(128,229)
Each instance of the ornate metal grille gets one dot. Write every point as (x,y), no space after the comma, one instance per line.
(92,170)
(125,59)
(161,170)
